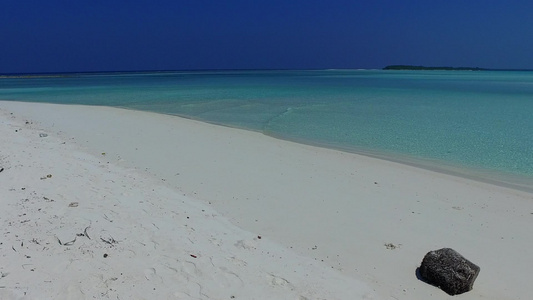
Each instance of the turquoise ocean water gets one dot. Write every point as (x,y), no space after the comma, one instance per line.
(474,123)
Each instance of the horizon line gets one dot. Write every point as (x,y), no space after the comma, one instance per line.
(10,74)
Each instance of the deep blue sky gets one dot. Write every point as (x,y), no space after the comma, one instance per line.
(107,35)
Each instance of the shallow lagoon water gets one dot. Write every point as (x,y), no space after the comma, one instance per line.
(478,123)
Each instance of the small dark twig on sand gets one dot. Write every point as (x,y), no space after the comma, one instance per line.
(109,241)
(85,232)
(67,243)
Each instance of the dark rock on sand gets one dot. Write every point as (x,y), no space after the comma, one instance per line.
(448,270)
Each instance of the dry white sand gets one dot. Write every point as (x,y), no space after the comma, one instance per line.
(333,225)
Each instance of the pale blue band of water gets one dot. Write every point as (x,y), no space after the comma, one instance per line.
(480,120)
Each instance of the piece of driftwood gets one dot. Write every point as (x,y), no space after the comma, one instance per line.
(448,270)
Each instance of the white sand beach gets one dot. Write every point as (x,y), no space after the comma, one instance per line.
(107,203)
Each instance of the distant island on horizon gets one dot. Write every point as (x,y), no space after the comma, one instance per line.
(424,68)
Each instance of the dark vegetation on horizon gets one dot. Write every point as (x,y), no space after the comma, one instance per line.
(423,68)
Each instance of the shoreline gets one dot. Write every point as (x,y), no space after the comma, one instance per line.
(494,177)
(500,178)
(336,208)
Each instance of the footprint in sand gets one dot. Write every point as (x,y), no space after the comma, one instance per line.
(230,279)
(248,245)
(190,269)
(279,281)
(151,274)
(237,262)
